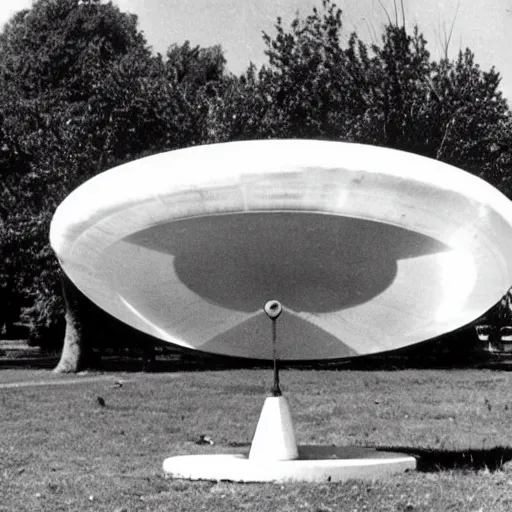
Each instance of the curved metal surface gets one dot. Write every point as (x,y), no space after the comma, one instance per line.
(368,249)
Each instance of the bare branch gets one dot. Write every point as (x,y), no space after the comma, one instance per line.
(372,31)
(451,28)
(445,42)
(386,12)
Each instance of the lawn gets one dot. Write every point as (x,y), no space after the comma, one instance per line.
(61,451)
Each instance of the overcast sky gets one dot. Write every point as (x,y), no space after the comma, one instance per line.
(485,26)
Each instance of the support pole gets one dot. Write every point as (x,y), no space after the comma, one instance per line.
(276,390)
(273,309)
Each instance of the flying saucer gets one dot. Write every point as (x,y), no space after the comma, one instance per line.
(367,249)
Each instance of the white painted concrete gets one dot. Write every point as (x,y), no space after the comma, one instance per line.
(315,464)
(275,457)
(274,438)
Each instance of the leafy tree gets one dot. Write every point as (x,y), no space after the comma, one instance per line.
(473,118)
(391,94)
(243,110)
(197,78)
(194,66)
(63,45)
(80,91)
(53,59)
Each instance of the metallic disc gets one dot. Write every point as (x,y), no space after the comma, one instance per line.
(367,249)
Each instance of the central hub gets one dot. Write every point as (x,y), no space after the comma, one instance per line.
(273,309)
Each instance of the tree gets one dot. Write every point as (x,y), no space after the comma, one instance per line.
(474,118)
(391,94)
(197,78)
(80,91)
(53,62)
(63,45)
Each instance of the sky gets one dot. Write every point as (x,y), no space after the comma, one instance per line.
(484,26)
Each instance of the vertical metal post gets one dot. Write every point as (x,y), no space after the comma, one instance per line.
(273,309)
(276,390)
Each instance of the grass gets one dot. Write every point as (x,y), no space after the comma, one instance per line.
(61,451)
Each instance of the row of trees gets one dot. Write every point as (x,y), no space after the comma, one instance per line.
(81,91)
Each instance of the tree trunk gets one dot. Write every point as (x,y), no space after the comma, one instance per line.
(76,350)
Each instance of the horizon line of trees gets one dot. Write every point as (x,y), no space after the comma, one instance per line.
(81,92)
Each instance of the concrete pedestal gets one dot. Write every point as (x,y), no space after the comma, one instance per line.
(274,438)
(274,457)
(315,464)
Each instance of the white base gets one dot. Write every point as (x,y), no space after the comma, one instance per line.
(274,438)
(315,464)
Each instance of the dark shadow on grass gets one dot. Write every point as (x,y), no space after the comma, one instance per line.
(435,460)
